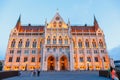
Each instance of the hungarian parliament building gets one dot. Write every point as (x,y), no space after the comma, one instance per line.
(56,46)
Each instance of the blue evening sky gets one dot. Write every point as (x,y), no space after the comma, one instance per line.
(80,12)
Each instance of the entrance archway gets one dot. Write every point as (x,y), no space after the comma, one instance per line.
(51,63)
(63,63)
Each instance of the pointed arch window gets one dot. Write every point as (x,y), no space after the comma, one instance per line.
(27,43)
(87,43)
(54,24)
(34,43)
(60,24)
(94,43)
(80,44)
(40,44)
(60,40)
(74,44)
(100,44)
(48,40)
(20,43)
(13,43)
(66,40)
(54,40)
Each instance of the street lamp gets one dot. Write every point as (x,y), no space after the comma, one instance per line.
(88,66)
(25,66)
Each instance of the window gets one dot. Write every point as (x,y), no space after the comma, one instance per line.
(88,51)
(88,59)
(67,50)
(100,44)
(20,43)
(95,51)
(81,59)
(104,59)
(26,51)
(60,40)
(48,40)
(39,59)
(25,59)
(27,43)
(60,49)
(96,59)
(18,59)
(74,44)
(18,51)
(54,49)
(54,40)
(34,44)
(33,51)
(102,51)
(94,44)
(13,43)
(54,24)
(33,59)
(10,59)
(87,43)
(80,44)
(66,40)
(40,44)
(81,51)
(11,51)
(60,24)
(48,49)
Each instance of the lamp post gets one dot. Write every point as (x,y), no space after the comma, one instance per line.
(88,66)
(25,66)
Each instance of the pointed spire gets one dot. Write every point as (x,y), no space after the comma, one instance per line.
(18,24)
(19,19)
(95,23)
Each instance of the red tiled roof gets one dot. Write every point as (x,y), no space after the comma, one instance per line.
(83,28)
(32,28)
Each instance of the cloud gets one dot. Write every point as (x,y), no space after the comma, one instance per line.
(115,53)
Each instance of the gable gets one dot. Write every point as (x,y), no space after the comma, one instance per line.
(57,22)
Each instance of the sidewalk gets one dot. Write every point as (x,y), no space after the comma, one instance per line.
(62,75)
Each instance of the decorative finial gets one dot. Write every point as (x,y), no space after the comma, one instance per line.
(57,10)
(68,20)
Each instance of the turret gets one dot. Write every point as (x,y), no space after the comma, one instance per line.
(95,24)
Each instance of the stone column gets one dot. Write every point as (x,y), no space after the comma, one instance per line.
(42,57)
(71,56)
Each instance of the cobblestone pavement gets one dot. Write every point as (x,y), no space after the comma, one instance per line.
(62,75)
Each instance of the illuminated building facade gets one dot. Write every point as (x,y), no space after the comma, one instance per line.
(56,46)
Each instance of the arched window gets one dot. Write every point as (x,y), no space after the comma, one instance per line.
(80,44)
(40,44)
(74,44)
(100,44)
(54,40)
(93,43)
(60,40)
(34,43)
(13,43)
(20,43)
(27,43)
(66,40)
(60,24)
(87,43)
(48,40)
(54,24)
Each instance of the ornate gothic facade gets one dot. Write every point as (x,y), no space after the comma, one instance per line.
(56,46)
